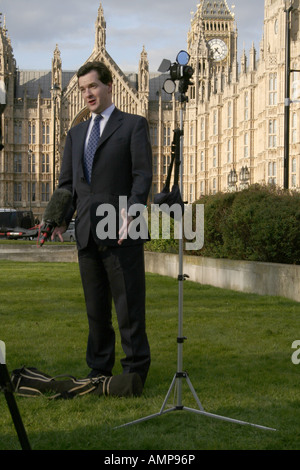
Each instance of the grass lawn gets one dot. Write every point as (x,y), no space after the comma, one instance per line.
(238,356)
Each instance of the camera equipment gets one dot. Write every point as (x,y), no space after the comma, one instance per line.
(7,387)
(182,73)
(179,71)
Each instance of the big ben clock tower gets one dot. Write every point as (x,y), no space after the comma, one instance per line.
(219,29)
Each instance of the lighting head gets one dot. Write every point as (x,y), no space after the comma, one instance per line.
(164,66)
(179,71)
(182,58)
(169,86)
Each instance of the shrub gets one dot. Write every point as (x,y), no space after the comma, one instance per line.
(261,223)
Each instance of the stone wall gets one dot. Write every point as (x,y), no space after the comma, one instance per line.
(244,276)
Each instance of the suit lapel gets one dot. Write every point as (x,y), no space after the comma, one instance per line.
(114,122)
(80,139)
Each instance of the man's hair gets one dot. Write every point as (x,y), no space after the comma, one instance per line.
(104,74)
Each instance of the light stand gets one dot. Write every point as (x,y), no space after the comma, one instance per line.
(7,388)
(180,374)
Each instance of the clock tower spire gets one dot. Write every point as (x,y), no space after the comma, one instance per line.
(220,32)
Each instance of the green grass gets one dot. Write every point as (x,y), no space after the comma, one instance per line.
(238,356)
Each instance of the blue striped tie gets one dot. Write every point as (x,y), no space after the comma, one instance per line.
(92,147)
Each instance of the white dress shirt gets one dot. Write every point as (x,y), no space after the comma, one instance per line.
(105,117)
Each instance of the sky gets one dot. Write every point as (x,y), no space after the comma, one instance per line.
(36,26)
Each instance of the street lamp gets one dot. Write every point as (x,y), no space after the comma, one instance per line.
(55,90)
(244,177)
(232,179)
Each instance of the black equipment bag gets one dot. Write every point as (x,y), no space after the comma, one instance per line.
(172,197)
(30,382)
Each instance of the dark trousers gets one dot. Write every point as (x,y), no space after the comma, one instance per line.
(115,274)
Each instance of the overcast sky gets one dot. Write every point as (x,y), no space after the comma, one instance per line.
(36,26)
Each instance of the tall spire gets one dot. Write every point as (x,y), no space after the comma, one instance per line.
(56,69)
(100,31)
(143,81)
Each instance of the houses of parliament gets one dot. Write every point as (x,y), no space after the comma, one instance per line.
(233,120)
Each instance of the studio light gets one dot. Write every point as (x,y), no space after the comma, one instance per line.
(180,72)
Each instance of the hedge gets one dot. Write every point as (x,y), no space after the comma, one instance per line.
(261,223)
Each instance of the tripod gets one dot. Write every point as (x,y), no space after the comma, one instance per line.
(181,375)
(6,386)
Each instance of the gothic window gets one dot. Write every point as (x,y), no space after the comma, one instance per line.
(294,128)
(246,106)
(192,135)
(17,192)
(191,192)
(202,188)
(31,192)
(45,163)
(229,151)
(202,129)
(31,133)
(295,82)
(46,133)
(273,89)
(215,123)
(31,163)
(246,145)
(45,192)
(166,162)
(272,170)
(153,134)
(202,161)
(214,156)
(214,186)
(155,160)
(229,116)
(167,135)
(272,133)
(17,163)
(17,133)
(191,164)
(294,172)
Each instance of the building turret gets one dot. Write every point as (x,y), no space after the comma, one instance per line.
(100,31)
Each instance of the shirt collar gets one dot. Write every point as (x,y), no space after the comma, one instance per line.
(106,113)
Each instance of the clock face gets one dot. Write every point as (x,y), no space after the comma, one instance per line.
(218,48)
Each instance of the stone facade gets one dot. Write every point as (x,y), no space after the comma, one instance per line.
(233,120)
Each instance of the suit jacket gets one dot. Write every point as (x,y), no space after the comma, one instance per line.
(122,167)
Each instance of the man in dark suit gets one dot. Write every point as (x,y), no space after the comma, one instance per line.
(112,268)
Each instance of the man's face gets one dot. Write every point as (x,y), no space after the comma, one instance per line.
(96,95)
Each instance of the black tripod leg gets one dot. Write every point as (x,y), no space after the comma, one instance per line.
(6,386)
